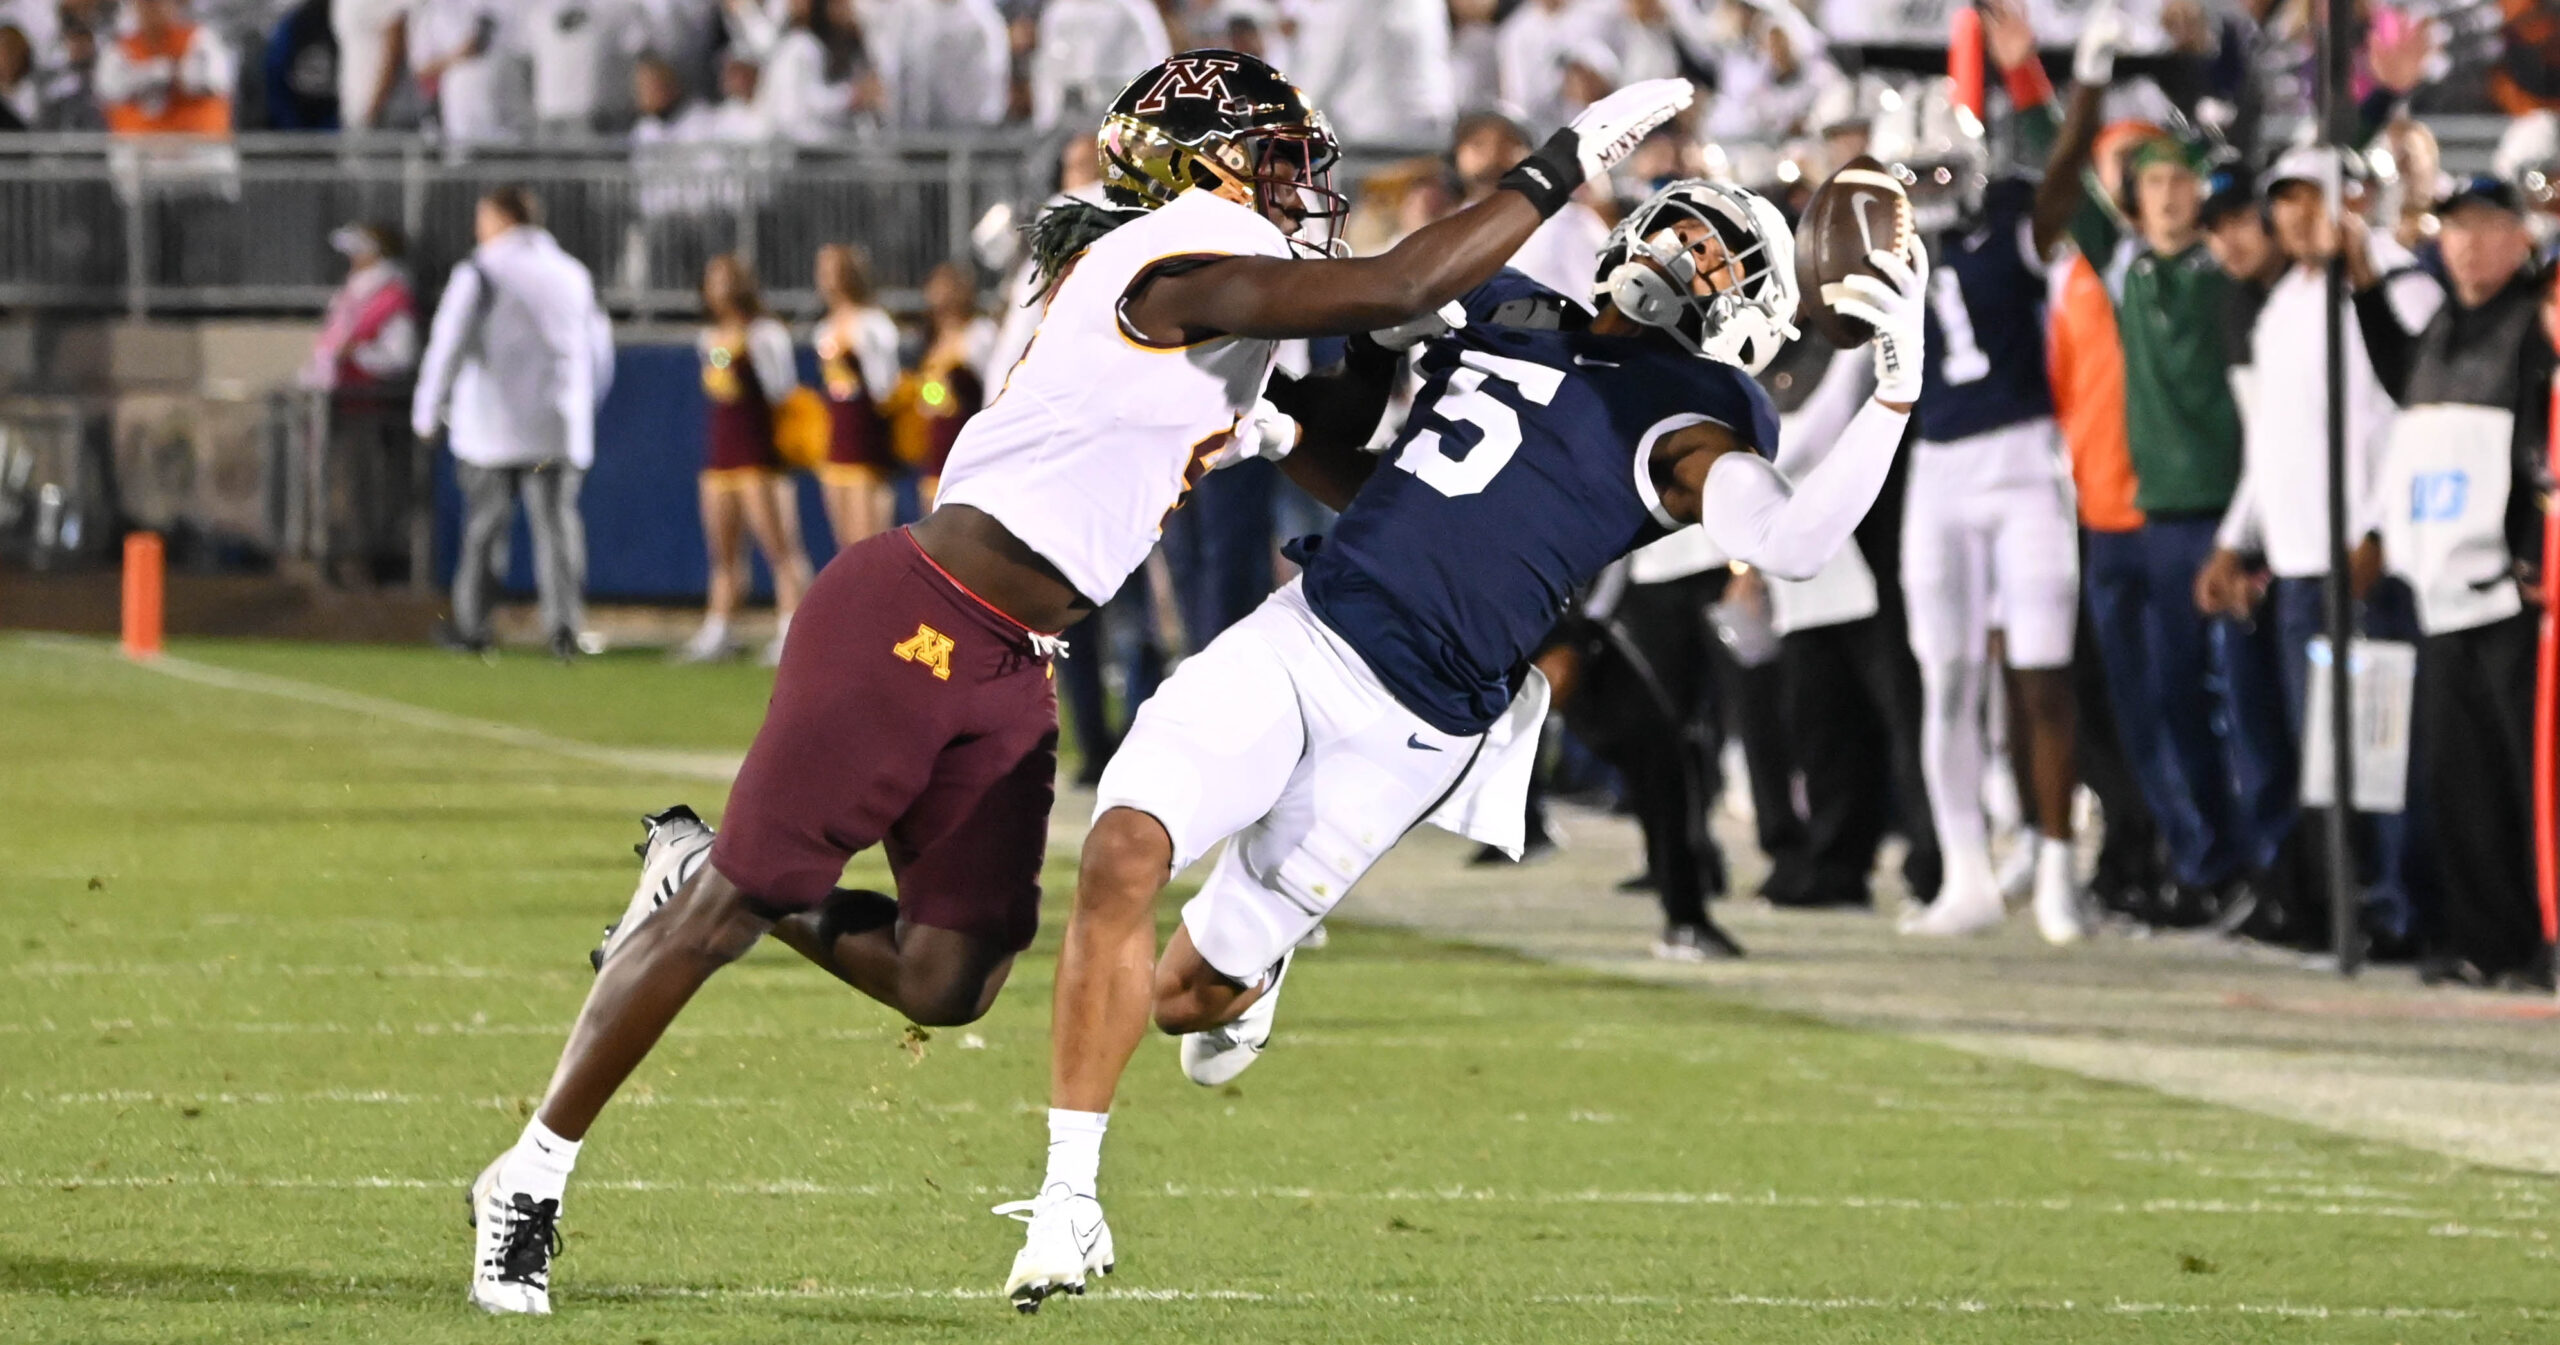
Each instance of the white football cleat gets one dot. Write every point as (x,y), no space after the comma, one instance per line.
(1958,913)
(1067,1240)
(2057,900)
(678,845)
(513,1240)
(1316,938)
(1220,1054)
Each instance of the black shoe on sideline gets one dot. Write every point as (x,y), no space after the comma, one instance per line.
(449,638)
(1697,943)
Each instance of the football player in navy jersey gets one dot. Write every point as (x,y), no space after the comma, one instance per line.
(1989,520)
(1388,685)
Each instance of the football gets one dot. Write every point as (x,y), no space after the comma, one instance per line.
(1858,210)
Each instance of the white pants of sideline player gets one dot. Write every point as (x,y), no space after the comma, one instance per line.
(1280,736)
(1989,538)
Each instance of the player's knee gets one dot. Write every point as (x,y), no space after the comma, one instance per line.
(2045,694)
(948,1000)
(1127,858)
(710,921)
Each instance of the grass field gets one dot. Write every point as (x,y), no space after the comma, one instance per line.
(280,976)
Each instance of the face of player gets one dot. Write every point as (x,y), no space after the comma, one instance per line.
(2484,247)
(2302,223)
(1717,270)
(2168,195)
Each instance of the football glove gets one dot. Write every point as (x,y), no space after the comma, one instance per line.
(1598,140)
(1449,317)
(2093,61)
(1895,306)
(1265,432)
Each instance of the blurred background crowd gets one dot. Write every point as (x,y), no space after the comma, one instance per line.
(746,379)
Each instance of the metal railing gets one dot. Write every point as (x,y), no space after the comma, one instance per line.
(95,224)
(155,227)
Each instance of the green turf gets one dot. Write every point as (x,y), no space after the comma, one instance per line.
(280,978)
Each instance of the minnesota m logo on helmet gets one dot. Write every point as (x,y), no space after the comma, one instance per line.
(1192,76)
(1224,122)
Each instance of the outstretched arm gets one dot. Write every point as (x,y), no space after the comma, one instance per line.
(1751,512)
(1275,298)
(2059,196)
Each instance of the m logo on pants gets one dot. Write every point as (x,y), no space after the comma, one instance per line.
(929,647)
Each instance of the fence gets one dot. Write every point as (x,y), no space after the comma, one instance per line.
(90,223)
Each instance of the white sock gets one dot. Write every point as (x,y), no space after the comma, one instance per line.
(715,631)
(539,1164)
(1075,1149)
(2053,855)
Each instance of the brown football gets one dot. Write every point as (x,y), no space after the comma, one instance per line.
(1860,209)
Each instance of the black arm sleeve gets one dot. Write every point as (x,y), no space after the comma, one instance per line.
(1337,411)
(2388,344)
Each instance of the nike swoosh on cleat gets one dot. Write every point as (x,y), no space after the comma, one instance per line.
(1414,741)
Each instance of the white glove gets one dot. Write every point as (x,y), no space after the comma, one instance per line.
(1264,432)
(2093,61)
(1449,317)
(1609,130)
(1895,306)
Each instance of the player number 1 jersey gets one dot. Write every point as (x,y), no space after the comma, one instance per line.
(1097,432)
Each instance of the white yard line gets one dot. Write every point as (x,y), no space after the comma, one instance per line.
(2444,1223)
(706,767)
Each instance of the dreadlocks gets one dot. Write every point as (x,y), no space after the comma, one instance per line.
(1067,229)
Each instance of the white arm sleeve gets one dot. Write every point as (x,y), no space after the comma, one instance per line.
(1806,434)
(1752,515)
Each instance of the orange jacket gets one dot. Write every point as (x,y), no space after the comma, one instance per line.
(170,109)
(2087,360)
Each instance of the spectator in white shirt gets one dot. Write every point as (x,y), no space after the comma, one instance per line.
(946,64)
(582,52)
(2278,511)
(739,117)
(1379,69)
(1766,87)
(1085,52)
(459,57)
(1532,48)
(815,80)
(1475,54)
(372,49)
(1256,28)
(518,359)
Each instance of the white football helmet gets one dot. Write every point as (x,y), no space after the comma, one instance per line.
(1649,272)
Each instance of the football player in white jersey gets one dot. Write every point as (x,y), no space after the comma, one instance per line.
(913,708)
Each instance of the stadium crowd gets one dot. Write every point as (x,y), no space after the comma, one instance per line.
(1398,73)
(2183,358)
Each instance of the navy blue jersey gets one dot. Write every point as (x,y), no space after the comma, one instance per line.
(1985,367)
(1517,479)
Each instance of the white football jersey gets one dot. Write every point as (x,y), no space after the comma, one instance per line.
(1097,433)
